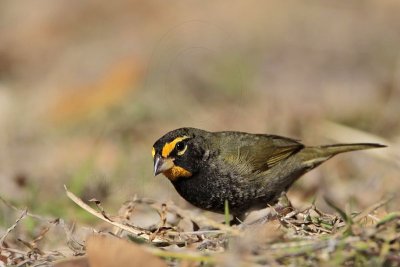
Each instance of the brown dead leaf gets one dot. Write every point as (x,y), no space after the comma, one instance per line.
(3,259)
(79,102)
(108,251)
(270,231)
(73,262)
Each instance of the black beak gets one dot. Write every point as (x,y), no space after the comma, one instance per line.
(162,164)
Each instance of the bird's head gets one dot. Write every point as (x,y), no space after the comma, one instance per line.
(178,153)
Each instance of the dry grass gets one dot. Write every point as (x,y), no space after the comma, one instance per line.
(285,236)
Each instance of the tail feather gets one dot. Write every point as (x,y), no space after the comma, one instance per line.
(313,156)
(340,148)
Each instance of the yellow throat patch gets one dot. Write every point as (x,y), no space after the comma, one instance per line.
(176,172)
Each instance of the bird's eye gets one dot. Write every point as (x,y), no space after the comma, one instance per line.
(180,146)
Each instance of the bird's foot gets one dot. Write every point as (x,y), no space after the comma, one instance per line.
(283,206)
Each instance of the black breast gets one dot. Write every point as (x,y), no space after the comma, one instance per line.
(209,192)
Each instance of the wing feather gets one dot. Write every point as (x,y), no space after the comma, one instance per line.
(256,153)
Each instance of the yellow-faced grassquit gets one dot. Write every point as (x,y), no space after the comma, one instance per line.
(250,171)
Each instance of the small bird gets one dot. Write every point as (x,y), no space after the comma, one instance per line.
(250,171)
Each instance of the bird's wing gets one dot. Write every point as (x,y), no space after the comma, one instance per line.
(258,153)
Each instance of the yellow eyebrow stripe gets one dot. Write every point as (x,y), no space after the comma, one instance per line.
(169,147)
(153,152)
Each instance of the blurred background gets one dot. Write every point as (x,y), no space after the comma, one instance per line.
(86,87)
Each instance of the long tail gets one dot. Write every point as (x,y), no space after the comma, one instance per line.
(315,155)
(340,148)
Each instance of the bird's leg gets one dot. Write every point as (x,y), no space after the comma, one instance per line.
(283,205)
(237,219)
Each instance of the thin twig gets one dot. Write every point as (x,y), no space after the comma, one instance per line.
(12,227)
(35,216)
(372,208)
(141,233)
